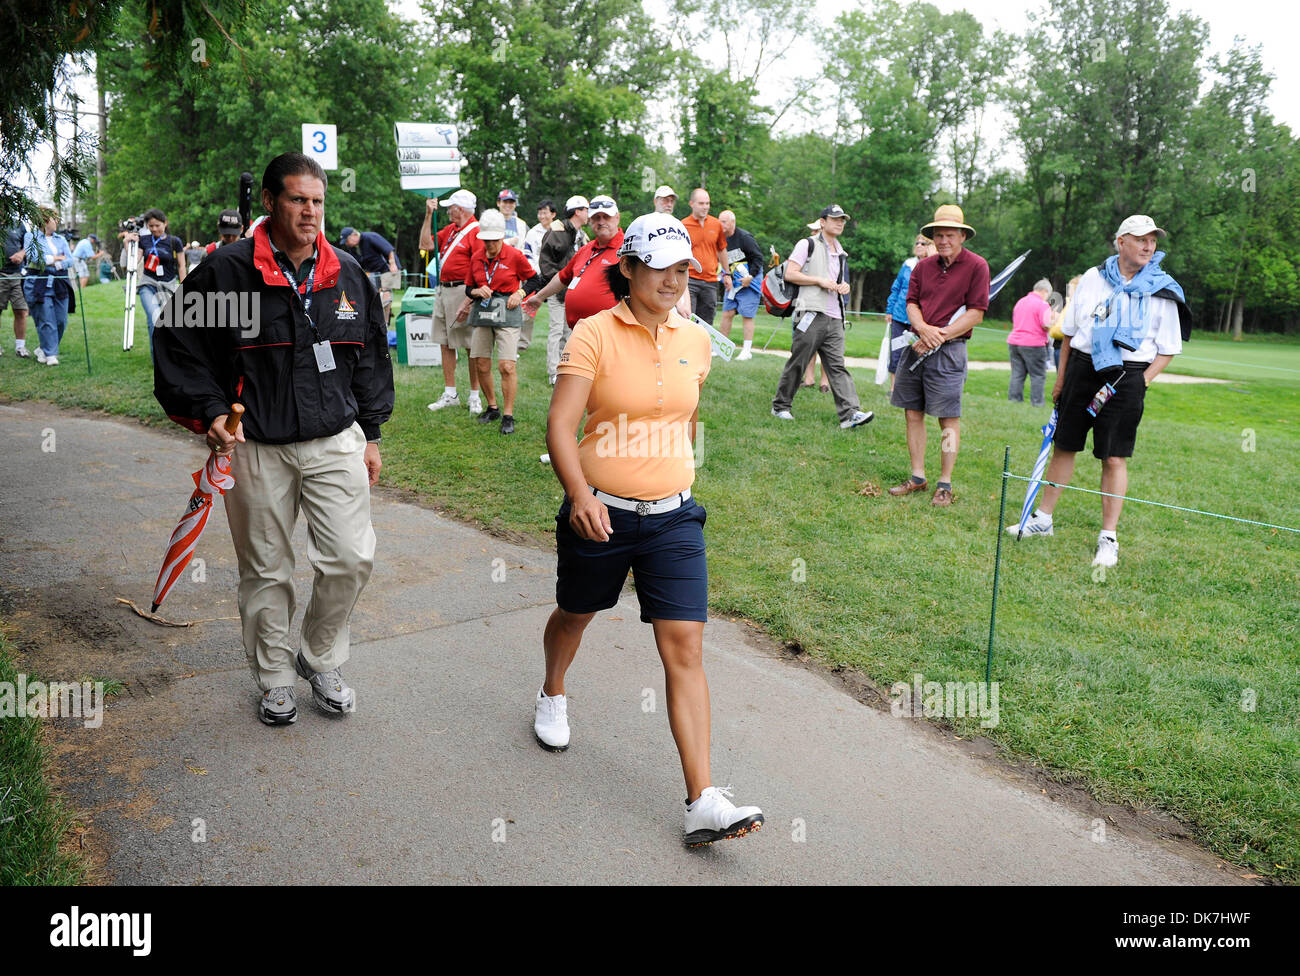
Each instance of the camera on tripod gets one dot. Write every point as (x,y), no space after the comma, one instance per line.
(131,225)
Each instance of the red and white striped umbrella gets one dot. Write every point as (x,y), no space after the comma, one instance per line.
(214,478)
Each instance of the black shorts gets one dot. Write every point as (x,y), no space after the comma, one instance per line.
(1114,429)
(664,552)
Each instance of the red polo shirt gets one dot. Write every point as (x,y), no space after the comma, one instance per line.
(584,276)
(708,245)
(940,289)
(454,263)
(504,274)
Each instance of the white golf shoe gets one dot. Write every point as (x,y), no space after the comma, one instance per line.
(1037,524)
(446,400)
(714,817)
(551,721)
(1107,551)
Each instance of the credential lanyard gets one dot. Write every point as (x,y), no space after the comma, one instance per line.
(305,296)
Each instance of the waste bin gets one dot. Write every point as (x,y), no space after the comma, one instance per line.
(415,345)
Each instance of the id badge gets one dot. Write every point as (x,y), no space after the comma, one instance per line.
(806,321)
(574,283)
(324,356)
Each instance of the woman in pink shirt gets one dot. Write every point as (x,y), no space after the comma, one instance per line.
(1030,321)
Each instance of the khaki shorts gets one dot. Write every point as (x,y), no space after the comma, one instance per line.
(446,330)
(506,340)
(11,293)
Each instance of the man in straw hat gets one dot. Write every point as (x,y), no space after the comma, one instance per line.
(942,285)
(1124,326)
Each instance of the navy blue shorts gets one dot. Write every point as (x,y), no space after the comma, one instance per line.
(664,552)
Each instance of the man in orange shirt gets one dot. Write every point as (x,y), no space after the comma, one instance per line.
(709,248)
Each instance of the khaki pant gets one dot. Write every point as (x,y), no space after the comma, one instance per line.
(325,478)
(558,337)
(446,330)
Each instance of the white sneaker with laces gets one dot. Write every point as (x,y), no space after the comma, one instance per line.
(21,352)
(782,414)
(475,402)
(714,817)
(859,418)
(744,354)
(40,354)
(551,721)
(51,360)
(1107,551)
(1038,523)
(446,400)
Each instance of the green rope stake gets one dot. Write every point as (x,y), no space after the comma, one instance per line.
(997,562)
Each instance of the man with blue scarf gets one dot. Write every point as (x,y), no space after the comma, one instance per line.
(1127,321)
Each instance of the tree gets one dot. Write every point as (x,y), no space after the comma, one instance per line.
(550,97)
(58,32)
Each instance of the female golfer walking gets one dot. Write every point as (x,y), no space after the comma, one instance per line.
(637,369)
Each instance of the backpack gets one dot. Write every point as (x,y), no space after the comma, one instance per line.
(778,297)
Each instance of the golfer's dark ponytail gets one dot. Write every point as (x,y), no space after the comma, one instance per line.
(618,283)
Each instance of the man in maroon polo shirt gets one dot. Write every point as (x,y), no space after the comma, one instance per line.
(451,330)
(584,276)
(946,298)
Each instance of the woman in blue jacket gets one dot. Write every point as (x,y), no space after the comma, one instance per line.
(46,286)
(922,248)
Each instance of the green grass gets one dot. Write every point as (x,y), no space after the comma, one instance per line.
(1132,687)
(32,821)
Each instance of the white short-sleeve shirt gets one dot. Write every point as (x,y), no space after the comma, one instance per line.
(1164,337)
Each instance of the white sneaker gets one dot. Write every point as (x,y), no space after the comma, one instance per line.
(859,418)
(1037,524)
(1107,552)
(744,354)
(475,402)
(51,360)
(40,354)
(446,400)
(551,722)
(782,414)
(21,352)
(714,817)
(545,459)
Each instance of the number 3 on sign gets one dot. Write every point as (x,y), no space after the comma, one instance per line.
(320,142)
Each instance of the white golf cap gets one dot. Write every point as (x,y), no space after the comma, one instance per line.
(576,203)
(603,204)
(492,226)
(461,198)
(658,239)
(666,191)
(1139,225)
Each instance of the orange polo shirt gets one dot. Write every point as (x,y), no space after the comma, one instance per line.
(708,246)
(645,389)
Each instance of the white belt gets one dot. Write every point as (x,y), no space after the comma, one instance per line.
(643,507)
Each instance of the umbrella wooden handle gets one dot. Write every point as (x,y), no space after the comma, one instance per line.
(234,417)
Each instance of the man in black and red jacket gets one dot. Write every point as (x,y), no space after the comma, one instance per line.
(288,326)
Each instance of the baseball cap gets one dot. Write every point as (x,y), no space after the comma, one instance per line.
(1139,225)
(603,204)
(345,233)
(507,194)
(665,191)
(834,210)
(576,203)
(229,223)
(461,198)
(659,240)
(492,226)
